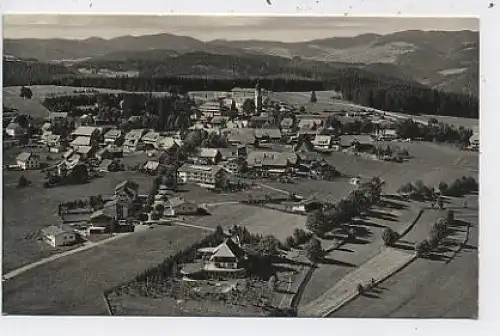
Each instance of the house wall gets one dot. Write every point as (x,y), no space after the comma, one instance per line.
(65,238)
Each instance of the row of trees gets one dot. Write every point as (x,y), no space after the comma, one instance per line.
(439,231)
(439,132)
(419,191)
(334,216)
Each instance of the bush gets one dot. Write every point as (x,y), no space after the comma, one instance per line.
(290,242)
(300,236)
(443,187)
(439,229)
(450,216)
(361,289)
(423,247)
(313,249)
(155,216)
(49,158)
(389,236)
(23,182)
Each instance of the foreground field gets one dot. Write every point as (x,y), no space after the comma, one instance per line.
(74,285)
(429,288)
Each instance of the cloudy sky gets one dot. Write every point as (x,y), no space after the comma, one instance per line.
(287,29)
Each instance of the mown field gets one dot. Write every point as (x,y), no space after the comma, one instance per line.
(436,287)
(257,220)
(74,285)
(32,208)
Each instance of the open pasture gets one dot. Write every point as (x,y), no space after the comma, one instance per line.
(23,215)
(256,219)
(75,285)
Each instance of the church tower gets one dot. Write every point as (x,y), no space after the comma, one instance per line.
(258,98)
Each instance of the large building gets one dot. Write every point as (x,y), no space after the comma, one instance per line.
(211,177)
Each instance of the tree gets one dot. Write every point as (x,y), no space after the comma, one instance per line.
(450,216)
(290,242)
(389,236)
(160,208)
(300,236)
(439,229)
(423,248)
(22,182)
(25,92)
(313,97)
(248,106)
(302,109)
(317,223)
(443,187)
(155,216)
(313,249)
(268,246)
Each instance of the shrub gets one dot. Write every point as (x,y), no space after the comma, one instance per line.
(361,289)
(450,216)
(439,229)
(49,158)
(300,236)
(290,242)
(160,208)
(443,187)
(155,216)
(22,182)
(389,236)
(313,249)
(423,247)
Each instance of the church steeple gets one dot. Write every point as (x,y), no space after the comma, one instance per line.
(258,98)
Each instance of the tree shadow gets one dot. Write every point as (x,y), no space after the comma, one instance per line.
(362,222)
(343,249)
(469,247)
(405,247)
(359,241)
(370,295)
(461,223)
(284,291)
(436,257)
(392,205)
(281,268)
(382,215)
(331,261)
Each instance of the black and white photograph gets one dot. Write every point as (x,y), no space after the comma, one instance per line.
(240,166)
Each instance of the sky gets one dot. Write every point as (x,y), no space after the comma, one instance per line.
(206,28)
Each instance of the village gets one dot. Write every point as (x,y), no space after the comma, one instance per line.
(237,152)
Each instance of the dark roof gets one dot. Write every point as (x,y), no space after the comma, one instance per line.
(229,248)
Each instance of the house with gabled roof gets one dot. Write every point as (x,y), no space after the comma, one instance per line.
(57,236)
(27,161)
(227,256)
(112,136)
(212,155)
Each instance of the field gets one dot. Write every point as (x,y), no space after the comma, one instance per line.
(429,288)
(23,214)
(74,285)
(257,220)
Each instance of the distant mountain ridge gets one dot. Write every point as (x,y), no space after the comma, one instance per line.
(447,60)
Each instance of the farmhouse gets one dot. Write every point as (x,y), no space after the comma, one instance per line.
(359,142)
(268,134)
(57,236)
(287,125)
(211,177)
(27,161)
(86,131)
(322,142)
(58,116)
(227,257)
(272,162)
(474,141)
(15,130)
(81,141)
(239,136)
(112,136)
(168,143)
(151,166)
(179,206)
(212,109)
(309,124)
(212,155)
(127,191)
(133,140)
(151,138)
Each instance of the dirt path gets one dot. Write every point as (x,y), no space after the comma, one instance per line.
(87,246)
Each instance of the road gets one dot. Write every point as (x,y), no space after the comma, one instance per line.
(88,245)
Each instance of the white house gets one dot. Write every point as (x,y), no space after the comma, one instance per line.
(57,236)
(15,130)
(28,161)
(322,141)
